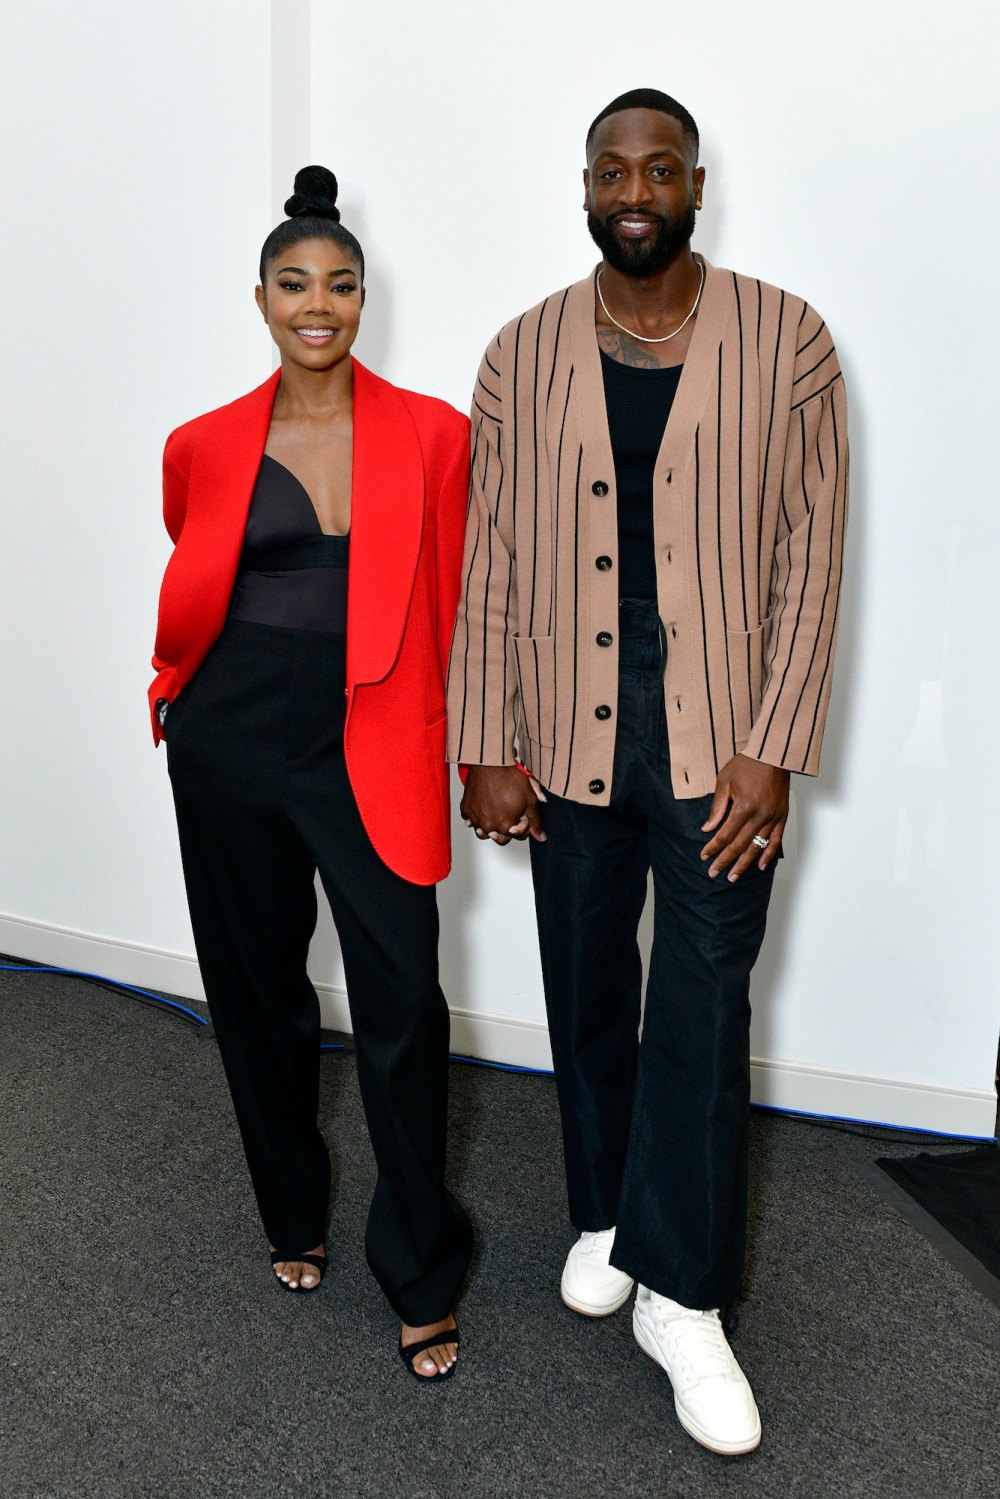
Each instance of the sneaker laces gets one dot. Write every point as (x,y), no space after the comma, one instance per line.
(698,1338)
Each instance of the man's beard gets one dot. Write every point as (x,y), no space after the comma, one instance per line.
(642,257)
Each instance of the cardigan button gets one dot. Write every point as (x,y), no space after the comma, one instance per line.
(603,564)
(604,638)
(602,712)
(599,488)
(596,787)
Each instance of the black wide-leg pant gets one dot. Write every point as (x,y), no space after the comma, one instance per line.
(655,1134)
(263,800)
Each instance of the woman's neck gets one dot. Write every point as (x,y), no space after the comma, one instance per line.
(315,394)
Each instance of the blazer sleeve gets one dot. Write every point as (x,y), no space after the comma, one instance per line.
(452,508)
(176,467)
(805,583)
(482,680)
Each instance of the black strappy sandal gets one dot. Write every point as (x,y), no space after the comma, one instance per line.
(317,1261)
(409,1351)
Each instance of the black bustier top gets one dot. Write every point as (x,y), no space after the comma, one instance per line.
(291,574)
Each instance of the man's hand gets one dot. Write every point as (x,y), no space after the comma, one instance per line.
(500,802)
(756,797)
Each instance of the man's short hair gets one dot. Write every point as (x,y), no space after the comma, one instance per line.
(648,98)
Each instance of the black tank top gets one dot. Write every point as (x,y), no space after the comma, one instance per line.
(638,404)
(290,573)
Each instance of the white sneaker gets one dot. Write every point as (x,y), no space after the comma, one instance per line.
(590,1285)
(713,1400)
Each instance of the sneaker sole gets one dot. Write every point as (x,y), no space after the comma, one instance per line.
(606,1309)
(649,1346)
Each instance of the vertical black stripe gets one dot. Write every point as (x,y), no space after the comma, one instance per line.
(770,419)
(506,640)
(775,632)
(538,693)
(838,528)
(739,491)
(486,615)
(795,632)
(739,479)
(555,541)
(718,538)
(701,591)
(576,620)
(554,617)
(819,446)
(555,350)
(517,358)
(534,463)
(819,624)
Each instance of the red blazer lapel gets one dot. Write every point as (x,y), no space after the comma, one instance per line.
(224,468)
(387,517)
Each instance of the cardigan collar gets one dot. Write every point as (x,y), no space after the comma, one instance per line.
(697,380)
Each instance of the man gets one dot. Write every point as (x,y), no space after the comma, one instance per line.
(647,629)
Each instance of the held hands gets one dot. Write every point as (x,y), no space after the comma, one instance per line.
(501,803)
(756,797)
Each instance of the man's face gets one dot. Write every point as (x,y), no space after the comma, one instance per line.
(640,186)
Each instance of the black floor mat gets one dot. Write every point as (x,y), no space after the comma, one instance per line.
(954,1201)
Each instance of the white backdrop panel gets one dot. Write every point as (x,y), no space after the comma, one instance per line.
(845,150)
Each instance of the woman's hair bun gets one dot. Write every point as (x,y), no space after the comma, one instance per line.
(315,195)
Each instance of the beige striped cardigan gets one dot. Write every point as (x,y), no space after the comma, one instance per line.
(750,502)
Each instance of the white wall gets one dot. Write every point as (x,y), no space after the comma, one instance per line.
(130,224)
(850,155)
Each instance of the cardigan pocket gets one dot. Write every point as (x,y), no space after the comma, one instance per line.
(535,656)
(745,649)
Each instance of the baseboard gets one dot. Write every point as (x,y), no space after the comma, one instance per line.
(798,1087)
(803,1088)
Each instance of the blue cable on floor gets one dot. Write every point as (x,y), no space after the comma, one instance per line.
(501,1066)
(838,1119)
(99,978)
(833,1120)
(156,999)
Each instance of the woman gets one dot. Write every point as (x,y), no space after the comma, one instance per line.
(305,620)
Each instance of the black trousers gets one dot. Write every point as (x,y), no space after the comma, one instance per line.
(655,1134)
(256,759)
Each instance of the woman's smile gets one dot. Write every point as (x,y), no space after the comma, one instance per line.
(315,335)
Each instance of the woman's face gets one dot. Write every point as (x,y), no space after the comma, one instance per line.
(311,301)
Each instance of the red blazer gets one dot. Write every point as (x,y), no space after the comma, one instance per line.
(408,508)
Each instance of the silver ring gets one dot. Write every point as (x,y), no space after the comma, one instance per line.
(760,842)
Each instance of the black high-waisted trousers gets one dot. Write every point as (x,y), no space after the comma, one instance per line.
(255,749)
(655,1134)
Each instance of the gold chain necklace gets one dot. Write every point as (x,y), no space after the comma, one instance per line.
(641,336)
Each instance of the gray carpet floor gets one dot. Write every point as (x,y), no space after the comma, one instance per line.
(146,1350)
